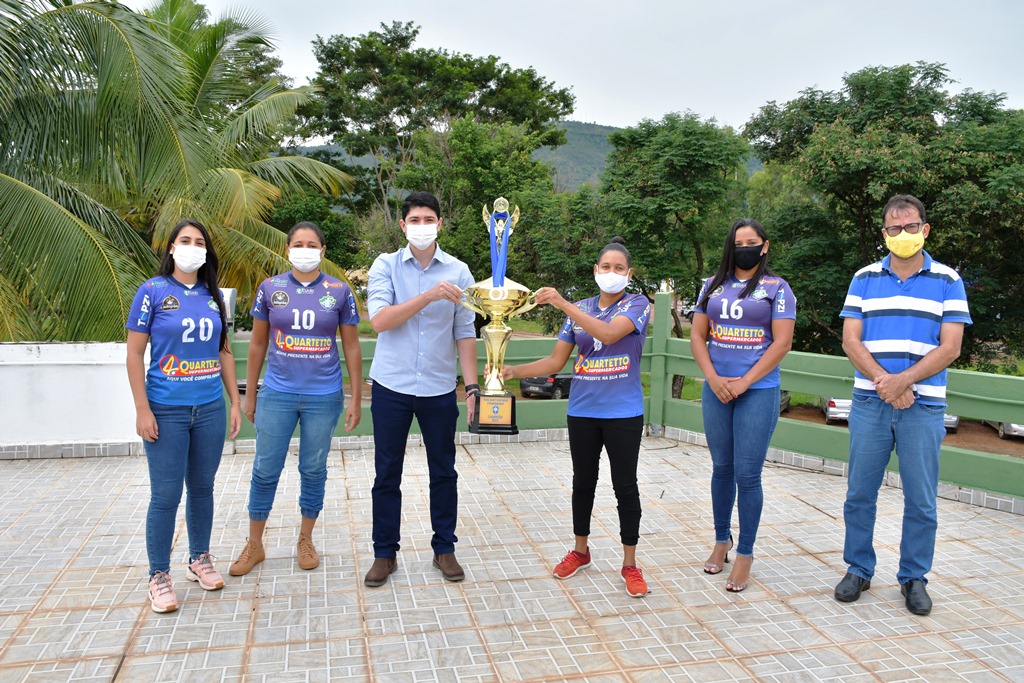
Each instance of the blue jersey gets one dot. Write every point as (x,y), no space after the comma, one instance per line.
(901,320)
(184,328)
(303,356)
(606,379)
(741,329)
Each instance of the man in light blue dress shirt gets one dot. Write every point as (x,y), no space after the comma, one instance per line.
(413,300)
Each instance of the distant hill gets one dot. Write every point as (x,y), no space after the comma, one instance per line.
(582,159)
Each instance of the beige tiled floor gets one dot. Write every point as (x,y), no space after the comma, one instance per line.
(73,574)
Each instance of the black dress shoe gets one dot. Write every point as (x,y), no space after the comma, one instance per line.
(918,601)
(850,588)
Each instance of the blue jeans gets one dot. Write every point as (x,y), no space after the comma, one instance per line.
(916,432)
(738,433)
(277,414)
(188,450)
(392,417)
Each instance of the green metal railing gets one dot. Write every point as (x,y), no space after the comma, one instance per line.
(971,394)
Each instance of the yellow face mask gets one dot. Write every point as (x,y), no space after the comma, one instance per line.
(905,245)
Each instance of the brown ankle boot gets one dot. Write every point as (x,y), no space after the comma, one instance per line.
(308,558)
(382,568)
(252,554)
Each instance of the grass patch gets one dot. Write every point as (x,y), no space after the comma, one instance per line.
(365,328)
(519,324)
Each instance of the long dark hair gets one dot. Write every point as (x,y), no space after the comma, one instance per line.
(207,272)
(728,265)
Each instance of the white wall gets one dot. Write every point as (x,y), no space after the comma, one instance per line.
(65,393)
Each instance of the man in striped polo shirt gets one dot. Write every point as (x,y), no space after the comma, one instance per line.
(904,319)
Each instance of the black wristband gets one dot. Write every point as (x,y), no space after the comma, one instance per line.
(472,389)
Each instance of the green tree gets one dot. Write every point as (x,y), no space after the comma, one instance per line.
(111,132)
(379,91)
(897,129)
(673,186)
(472,164)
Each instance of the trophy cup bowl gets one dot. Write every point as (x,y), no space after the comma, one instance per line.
(498,304)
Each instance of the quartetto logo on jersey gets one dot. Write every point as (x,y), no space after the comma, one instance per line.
(735,334)
(172,366)
(279,299)
(602,366)
(170,303)
(299,344)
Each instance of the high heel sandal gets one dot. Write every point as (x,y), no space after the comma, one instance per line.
(712,568)
(735,586)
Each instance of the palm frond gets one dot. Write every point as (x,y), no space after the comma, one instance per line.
(16,319)
(295,173)
(259,118)
(57,260)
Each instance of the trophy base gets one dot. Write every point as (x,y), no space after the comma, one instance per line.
(494,415)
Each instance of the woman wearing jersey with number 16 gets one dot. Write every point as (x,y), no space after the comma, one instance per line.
(742,327)
(296,316)
(179,403)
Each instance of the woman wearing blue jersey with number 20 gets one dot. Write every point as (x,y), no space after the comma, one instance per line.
(606,402)
(179,404)
(296,316)
(742,327)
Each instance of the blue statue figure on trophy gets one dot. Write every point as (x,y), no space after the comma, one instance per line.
(498,298)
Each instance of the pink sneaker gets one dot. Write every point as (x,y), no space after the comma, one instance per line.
(636,586)
(571,563)
(202,570)
(161,593)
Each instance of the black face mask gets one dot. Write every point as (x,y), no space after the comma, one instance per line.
(746,258)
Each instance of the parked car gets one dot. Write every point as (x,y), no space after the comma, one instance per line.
(1006,429)
(783,401)
(838,409)
(552,386)
(835,409)
(686,309)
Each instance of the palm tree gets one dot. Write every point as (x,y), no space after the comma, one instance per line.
(114,125)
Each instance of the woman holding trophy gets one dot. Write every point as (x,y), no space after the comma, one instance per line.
(605,402)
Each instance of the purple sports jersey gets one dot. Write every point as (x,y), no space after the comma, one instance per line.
(741,329)
(184,335)
(303,353)
(606,379)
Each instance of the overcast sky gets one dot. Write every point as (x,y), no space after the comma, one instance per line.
(627,61)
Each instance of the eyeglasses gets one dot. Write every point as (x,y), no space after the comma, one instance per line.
(909,228)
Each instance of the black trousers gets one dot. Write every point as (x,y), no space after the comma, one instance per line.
(621,438)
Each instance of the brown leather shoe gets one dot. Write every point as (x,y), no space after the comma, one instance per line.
(382,568)
(449,567)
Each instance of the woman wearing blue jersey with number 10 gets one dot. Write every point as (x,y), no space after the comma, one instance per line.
(179,404)
(296,316)
(742,327)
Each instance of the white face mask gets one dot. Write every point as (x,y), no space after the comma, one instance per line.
(305,259)
(421,235)
(611,283)
(188,258)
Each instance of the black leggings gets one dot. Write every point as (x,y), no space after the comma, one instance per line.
(621,438)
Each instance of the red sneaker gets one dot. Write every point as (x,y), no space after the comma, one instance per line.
(635,584)
(571,563)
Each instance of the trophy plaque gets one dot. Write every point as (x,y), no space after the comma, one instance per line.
(497,298)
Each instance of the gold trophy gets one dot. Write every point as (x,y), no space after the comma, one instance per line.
(497,298)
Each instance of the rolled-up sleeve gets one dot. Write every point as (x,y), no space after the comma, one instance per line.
(463,326)
(380,288)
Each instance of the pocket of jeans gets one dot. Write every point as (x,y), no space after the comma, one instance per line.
(931,409)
